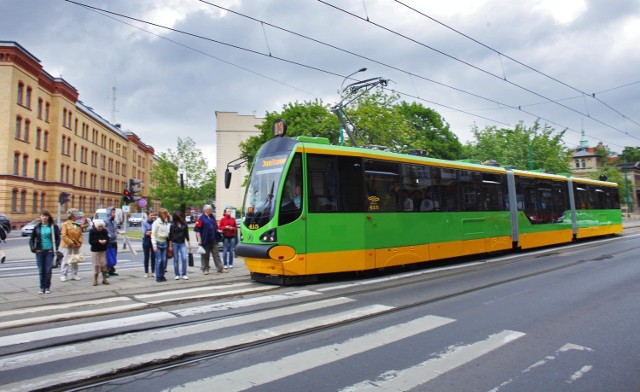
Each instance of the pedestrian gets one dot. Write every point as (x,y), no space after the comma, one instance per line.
(45,239)
(147,247)
(112,249)
(178,235)
(159,239)
(99,241)
(207,235)
(71,244)
(229,231)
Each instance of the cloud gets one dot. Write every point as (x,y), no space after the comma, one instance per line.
(170,84)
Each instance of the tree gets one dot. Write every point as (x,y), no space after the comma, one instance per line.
(309,118)
(379,119)
(630,154)
(521,148)
(199,182)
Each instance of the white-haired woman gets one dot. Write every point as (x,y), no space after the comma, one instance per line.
(71,244)
(98,239)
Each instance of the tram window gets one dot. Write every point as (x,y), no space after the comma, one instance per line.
(493,191)
(445,188)
(471,184)
(527,200)
(613,198)
(581,196)
(382,181)
(350,185)
(560,200)
(292,195)
(322,175)
(419,176)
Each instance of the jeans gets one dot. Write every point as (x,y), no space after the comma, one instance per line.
(43,260)
(161,260)
(228,247)
(179,254)
(149,254)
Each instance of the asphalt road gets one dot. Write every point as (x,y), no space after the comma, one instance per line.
(562,318)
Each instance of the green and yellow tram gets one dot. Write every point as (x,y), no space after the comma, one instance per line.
(312,208)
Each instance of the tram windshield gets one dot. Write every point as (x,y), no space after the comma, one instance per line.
(261,196)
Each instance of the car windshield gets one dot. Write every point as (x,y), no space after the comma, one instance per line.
(136,215)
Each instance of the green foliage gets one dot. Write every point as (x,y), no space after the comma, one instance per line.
(630,154)
(521,148)
(380,119)
(199,182)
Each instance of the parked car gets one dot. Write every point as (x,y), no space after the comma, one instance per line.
(137,218)
(28,228)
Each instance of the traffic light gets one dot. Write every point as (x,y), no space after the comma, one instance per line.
(126,196)
(63,198)
(135,188)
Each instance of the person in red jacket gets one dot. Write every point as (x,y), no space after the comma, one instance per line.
(229,230)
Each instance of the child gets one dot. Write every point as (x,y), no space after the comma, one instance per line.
(98,239)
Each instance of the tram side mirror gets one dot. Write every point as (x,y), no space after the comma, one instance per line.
(227,178)
(603,177)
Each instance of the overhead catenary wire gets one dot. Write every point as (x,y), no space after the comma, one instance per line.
(583,93)
(309,66)
(474,67)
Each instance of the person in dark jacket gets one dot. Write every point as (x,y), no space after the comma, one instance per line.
(99,241)
(147,247)
(44,241)
(178,244)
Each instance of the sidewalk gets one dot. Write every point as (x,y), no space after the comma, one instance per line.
(21,292)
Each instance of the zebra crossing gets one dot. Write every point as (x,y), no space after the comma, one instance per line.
(103,355)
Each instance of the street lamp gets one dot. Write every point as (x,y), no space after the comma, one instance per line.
(350,75)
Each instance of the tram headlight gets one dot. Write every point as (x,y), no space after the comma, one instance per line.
(269,236)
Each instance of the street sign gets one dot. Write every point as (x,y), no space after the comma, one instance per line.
(142,203)
(125,208)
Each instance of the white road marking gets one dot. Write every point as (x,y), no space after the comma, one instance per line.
(112,366)
(144,337)
(404,380)
(261,373)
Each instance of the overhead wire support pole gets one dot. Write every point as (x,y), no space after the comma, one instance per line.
(353,91)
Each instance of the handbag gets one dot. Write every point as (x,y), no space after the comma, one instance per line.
(55,263)
(76,258)
(190,259)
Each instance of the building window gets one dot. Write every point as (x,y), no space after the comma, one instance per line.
(64,117)
(36,169)
(25,135)
(42,197)
(18,127)
(16,164)
(35,202)
(46,112)
(38,137)
(44,171)
(45,141)
(61,173)
(39,109)
(28,98)
(14,200)
(64,138)
(20,93)
(584,163)
(25,161)
(23,201)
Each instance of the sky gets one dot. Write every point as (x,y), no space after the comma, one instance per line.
(573,65)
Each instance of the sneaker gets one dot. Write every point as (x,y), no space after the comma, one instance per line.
(63,278)
(47,291)
(40,291)
(206,272)
(224,271)
(226,266)
(177,277)
(185,277)
(113,274)
(75,277)
(146,275)
(231,266)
